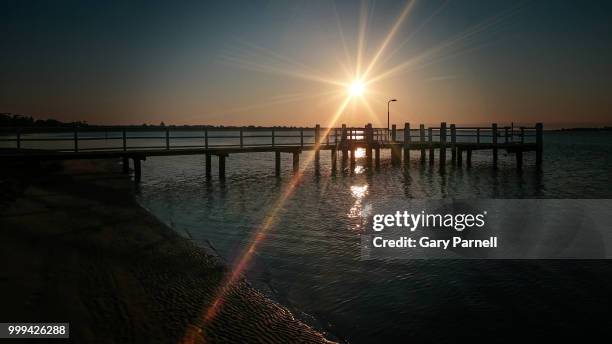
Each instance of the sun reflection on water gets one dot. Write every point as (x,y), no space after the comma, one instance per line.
(358,212)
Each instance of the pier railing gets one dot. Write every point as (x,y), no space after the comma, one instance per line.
(142,138)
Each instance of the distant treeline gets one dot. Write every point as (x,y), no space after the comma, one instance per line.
(17,120)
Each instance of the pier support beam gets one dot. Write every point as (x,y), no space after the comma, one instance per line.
(344,145)
(126,165)
(431,147)
(222,166)
(352,157)
(137,170)
(208,166)
(494,135)
(296,162)
(277,163)
(368,136)
(539,143)
(459,156)
(453,130)
(317,146)
(407,141)
(422,137)
(334,158)
(442,146)
(469,157)
(377,158)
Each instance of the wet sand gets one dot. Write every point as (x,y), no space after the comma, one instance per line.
(76,247)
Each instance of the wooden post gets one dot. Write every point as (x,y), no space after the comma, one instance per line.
(241,138)
(344,145)
(522,135)
(459,156)
(407,141)
(494,136)
(208,166)
(519,159)
(477,135)
(393,132)
(505,134)
(422,133)
(431,147)
(222,166)
(317,142)
(167,138)
(277,163)
(76,139)
(296,162)
(124,140)
(334,158)
(206,138)
(442,146)
(126,165)
(377,157)
(137,169)
(539,143)
(453,129)
(368,136)
(273,137)
(469,157)
(352,156)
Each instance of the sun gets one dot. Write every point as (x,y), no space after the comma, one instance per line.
(356,88)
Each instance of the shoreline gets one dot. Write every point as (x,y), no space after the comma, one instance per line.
(77,247)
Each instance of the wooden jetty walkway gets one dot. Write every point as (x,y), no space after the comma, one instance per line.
(36,144)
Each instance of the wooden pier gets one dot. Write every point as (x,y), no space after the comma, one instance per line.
(122,143)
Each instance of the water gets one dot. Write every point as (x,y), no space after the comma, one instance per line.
(310,257)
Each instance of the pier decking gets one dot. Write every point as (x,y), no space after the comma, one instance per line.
(36,144)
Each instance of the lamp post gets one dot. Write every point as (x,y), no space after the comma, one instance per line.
(388,103)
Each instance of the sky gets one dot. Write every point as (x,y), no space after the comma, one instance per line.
(292,62)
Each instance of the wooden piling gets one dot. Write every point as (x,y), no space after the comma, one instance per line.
(494,139)
(208,166)
(296,162)
(393,133)
(469,157)
(459,156)
(126,165)
(422,134)
(334,158)
(344,145)
(352,156)
(539,143)
(453,129)
(431,147)
(137,169)
(222,166)
(407,141)
(277,163)
(124,137)
(167,138)
(377,157)
(442,146)
(368,136)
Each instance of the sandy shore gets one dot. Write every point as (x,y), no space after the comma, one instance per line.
(76,247)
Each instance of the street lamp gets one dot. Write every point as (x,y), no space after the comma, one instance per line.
(389,102)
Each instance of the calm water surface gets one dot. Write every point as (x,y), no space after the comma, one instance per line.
(310,258)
